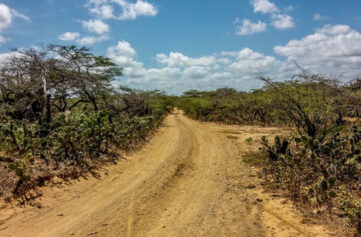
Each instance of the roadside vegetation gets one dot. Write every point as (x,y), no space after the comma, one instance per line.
(62,115)
(319,163)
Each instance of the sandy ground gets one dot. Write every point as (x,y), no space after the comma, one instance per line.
(189,180)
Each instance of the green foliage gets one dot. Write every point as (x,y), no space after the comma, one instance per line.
(313,165)
(58,108)
(351,207)
(76,135)
(310,103)
(325,173)
(19,169)
(249,139)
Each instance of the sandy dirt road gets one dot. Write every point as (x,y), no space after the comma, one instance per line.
(188,181)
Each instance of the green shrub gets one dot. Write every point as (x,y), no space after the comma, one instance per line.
(76,135)
(324,173)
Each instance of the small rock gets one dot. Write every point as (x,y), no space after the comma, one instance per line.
(259,200)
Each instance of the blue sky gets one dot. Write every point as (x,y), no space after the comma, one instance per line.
(177,45)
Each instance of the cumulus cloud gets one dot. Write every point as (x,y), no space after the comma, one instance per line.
(282,21)
(69,36)
(248,28)
(264,6)
(86,40)
(177,72)
(196,72)
(124,55)
(105,9)
(96,26)
(90,40)
(175,59)
(333,49)
(132,10)
(7,15)
(247,59)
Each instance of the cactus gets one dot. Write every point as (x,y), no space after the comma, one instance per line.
(315,170)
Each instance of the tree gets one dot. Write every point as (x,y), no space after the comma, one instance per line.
(87,76)
(306,101)
(24,84)
(192,93)
(34,80)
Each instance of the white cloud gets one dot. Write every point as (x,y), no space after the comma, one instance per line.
(122,48)
(7,15)
(248,28)
(333,49)
(318,17)
(123,54)
(282,21)
(105,9)
(175,59)
(16,14)
(196,72)
(69,36)
(250,62)
(264,6)
(96,26)
(224,61)
(132,10)
(90,40)
(177,72)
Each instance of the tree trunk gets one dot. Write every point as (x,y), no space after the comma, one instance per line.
(46,113)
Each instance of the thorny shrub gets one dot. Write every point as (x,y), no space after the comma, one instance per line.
(323,173)
(71,138)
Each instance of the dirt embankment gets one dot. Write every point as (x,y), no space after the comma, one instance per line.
(188,181)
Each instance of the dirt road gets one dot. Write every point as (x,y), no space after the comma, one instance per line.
(188,181)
